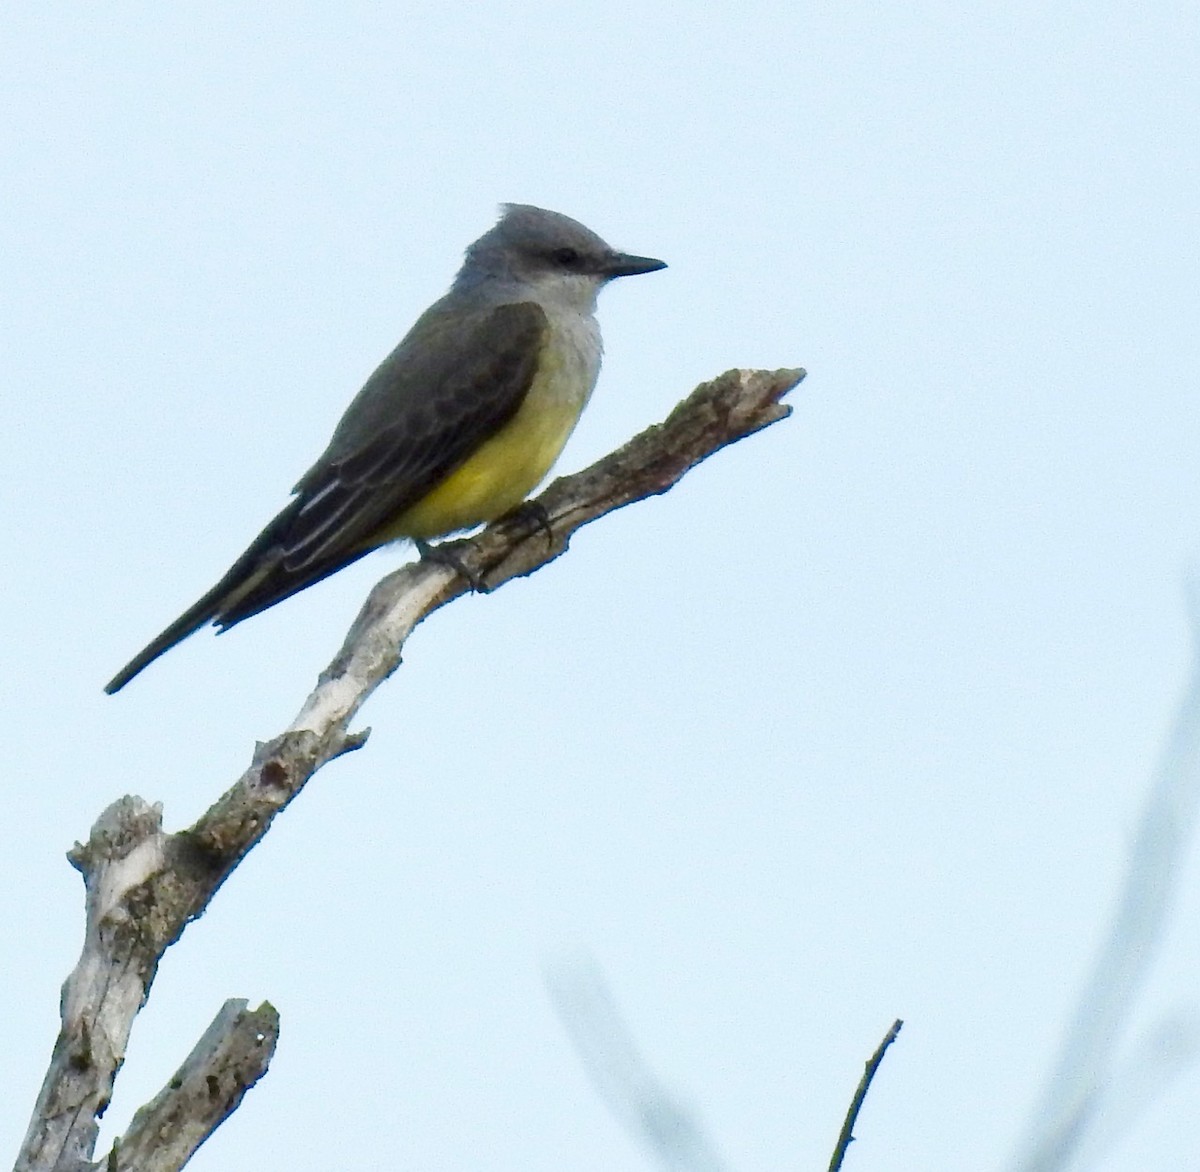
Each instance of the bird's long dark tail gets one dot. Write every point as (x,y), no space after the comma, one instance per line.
(245,575)
(255,582)
(192,619)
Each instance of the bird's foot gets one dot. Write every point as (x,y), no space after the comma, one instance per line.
(532,514)
(446,555)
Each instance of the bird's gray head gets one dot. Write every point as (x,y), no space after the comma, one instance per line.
(544,255)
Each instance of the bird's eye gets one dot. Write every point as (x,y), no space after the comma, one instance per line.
(566,256)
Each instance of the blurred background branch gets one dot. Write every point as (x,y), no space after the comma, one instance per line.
(1081,1086)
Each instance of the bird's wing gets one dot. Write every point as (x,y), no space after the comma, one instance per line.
(452,383)
(455,380)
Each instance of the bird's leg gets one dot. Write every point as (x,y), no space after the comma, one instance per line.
(445,555)
(531,514)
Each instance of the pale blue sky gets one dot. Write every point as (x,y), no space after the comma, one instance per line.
(852,725)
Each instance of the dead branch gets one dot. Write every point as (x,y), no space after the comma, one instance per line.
(145,886)
(229,1059)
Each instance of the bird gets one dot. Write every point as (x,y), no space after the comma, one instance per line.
(454,429)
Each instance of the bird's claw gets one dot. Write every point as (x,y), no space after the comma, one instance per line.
(535,515)
(446,555)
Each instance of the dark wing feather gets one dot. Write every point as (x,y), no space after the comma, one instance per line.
(454,381)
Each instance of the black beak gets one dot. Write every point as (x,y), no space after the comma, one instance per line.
(622,264)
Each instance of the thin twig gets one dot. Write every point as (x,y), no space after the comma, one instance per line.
(846,1136)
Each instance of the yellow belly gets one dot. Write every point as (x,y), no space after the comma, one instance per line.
(502,472)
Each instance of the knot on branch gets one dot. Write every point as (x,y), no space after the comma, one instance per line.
(123,852)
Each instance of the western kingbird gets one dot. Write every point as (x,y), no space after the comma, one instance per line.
(459,423)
